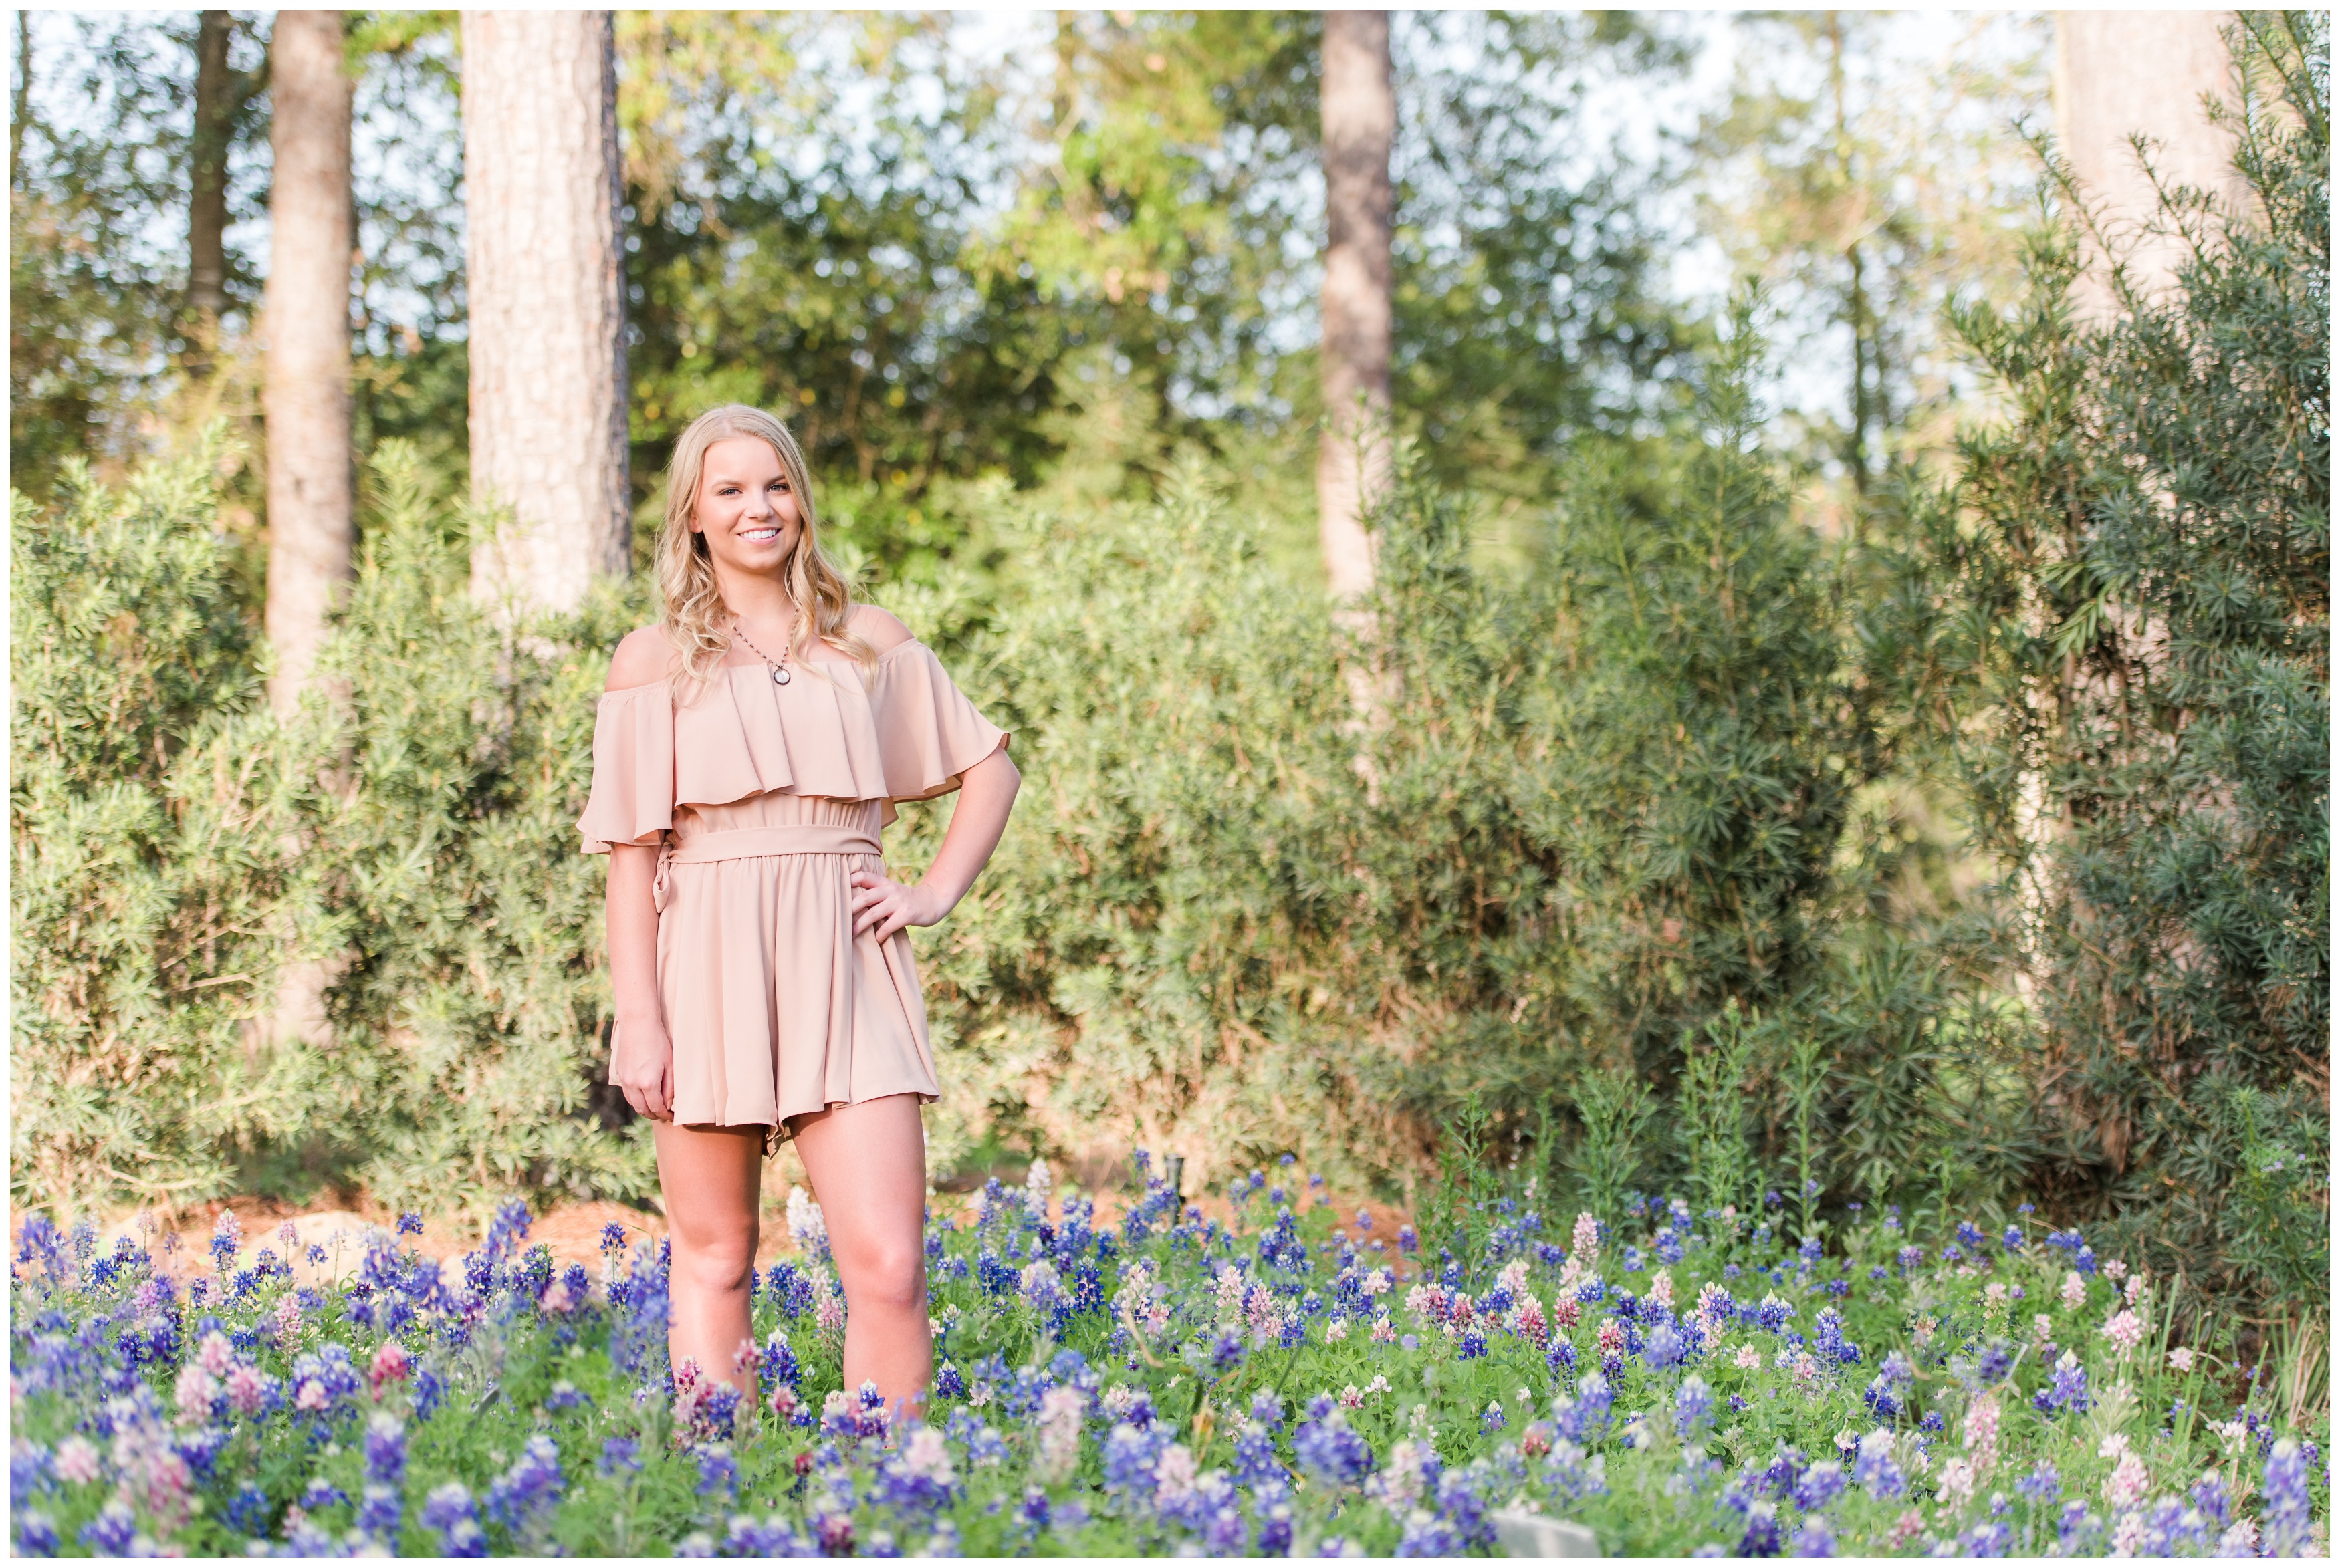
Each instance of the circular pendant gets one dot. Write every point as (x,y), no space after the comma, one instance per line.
(780,676)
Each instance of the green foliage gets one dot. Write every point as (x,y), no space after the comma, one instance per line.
(470,1005)
(148,790)
(2130,657)
(1714,1112)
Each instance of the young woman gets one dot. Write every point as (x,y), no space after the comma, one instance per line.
(746,752)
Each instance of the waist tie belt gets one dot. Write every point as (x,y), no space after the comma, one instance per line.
(747,842)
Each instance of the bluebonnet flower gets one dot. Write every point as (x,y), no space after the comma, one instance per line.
(1991,1538)
(1873,1467)
(321,1494)
(619,1454)
(718,1473)
(1762,1537)
(2068,1389)
(2284,1494)
(1693,1407)
(2012,1241)
(247,1513)
(1584,1417)
(111,1533)
(1473,1344)
(36,1534)
(1931,1422)
(1819,1485)
(522,1497)
(1816,1539)
(457,1521)
(1267,1409)
(1328,1450)
(385,1450)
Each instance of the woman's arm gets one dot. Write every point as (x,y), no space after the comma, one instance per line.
(986,793)
(644,1060)
(643,1063)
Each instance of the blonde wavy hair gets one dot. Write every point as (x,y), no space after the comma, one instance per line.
(694,617)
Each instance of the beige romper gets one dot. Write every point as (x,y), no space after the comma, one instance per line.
(765,798)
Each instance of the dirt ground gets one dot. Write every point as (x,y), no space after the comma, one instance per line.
(573,1232)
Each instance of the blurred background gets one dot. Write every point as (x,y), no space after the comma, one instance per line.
(1731,604)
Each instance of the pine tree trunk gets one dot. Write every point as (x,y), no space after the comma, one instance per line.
(1359,124)
(307,397)
(2123,72)
(207,205)
(547,317)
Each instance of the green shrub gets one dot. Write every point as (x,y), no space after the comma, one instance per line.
(2130,653)
(149,794)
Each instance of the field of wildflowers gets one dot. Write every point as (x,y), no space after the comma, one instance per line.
(1289,1383)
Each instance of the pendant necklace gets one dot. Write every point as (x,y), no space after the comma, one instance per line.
(780,670)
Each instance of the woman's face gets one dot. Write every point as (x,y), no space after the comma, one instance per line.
(745,508)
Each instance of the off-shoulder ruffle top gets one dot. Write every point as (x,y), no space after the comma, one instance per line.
(896,731)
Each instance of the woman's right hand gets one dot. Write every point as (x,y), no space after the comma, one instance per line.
(644,1068)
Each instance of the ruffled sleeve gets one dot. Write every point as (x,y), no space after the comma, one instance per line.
(633,769)
(928,732)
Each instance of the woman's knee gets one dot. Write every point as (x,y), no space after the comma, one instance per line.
(720,1262)
(886,1274)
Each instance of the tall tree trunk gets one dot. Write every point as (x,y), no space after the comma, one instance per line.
(23,105)
(1360,110)
(2118,72)
(307,397)
(207,206)
(545,279)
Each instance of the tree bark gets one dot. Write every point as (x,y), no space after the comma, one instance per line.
(545,252)
(207,206)
(1359,124)
(306,401)
(2122,72)
(221,94)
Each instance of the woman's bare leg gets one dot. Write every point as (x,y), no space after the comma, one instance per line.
(867,1164)
(712,1180)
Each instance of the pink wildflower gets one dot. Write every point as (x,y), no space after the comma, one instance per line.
(1957,1486)
(1384,1331)
(247,1389)
(390,1362)
(2126,1487)
(1662,1287)
(215,1355)
(1747,1359)
(77,1460)
(196,1387)
(1982,1431)
(2125,1330)
(1908,1526)
(311,1396)
(2182,1359)
(2076,1290)
(1611,1338)
(1584,1245)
